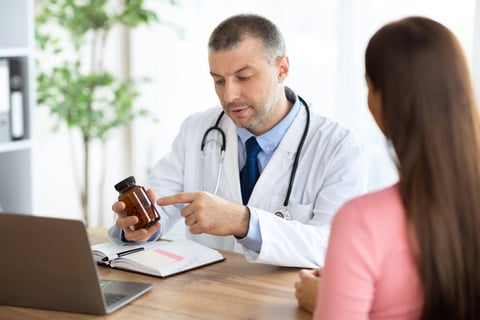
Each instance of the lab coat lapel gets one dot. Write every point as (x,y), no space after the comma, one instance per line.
(277,172)
(232,175)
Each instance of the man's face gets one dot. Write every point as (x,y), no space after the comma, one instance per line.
(247,85)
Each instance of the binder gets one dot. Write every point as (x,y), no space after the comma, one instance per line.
(17,101)
(4,101)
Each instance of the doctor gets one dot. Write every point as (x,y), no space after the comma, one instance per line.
(322,163)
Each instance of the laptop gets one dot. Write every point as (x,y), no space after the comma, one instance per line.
(47,263)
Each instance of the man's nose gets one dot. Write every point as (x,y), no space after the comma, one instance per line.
(231,92)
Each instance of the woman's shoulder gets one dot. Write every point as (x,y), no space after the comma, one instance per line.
(381,207)
(386,197)
(376,222)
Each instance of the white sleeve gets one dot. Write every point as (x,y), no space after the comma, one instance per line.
(289,243)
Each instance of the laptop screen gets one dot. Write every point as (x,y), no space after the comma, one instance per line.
(47,263)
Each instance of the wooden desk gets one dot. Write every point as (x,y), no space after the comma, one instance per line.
(232,289)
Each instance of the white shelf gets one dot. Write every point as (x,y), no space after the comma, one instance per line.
(14,52)
(16,23)
(17,43)
(15,145)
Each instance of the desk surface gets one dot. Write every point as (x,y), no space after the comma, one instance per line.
(232,289)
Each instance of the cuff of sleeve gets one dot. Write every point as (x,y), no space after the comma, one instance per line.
(122,237)
(152,237)
(253,239)
(155,236)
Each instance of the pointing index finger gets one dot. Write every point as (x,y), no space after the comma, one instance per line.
(182,197)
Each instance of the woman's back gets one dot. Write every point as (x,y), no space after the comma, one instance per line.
(412,251)
(370,257)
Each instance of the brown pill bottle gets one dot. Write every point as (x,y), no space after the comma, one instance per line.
(137,203)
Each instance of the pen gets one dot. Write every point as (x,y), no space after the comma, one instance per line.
(126,252)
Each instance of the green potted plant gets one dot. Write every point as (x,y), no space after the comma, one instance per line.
(77,89)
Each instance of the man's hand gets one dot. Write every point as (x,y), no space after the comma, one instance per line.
(126,223)
(207,213)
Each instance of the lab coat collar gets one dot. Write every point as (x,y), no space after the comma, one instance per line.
(281,162)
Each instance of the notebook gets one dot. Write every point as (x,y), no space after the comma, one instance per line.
(157,258)
(47,263)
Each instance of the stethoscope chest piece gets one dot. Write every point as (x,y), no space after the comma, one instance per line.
(284,213)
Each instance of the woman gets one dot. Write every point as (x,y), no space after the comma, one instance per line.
(411,251)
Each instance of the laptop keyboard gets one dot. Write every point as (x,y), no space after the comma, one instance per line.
(104,283)
(110,298)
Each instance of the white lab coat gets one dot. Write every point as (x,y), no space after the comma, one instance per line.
(331,170)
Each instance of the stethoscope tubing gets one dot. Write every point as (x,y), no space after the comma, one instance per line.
(297,155)
(217,128)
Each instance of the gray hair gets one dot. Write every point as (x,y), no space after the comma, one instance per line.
(230,32)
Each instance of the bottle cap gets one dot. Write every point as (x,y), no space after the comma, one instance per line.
(125,184)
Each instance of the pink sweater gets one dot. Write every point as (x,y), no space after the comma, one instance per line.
(369,269)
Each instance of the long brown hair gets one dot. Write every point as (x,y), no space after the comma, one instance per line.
(430,116)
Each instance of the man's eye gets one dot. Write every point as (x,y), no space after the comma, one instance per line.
(219,82)
(243,78)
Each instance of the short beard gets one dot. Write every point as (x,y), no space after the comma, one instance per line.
(260,114)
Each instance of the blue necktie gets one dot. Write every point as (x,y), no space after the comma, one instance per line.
(250,172)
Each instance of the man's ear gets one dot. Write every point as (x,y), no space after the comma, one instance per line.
(283,67)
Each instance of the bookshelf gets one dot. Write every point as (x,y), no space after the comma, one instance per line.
(16,59)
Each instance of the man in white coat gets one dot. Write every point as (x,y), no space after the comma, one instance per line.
(249,66)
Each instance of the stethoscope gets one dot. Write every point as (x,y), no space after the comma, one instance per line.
(282,212)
